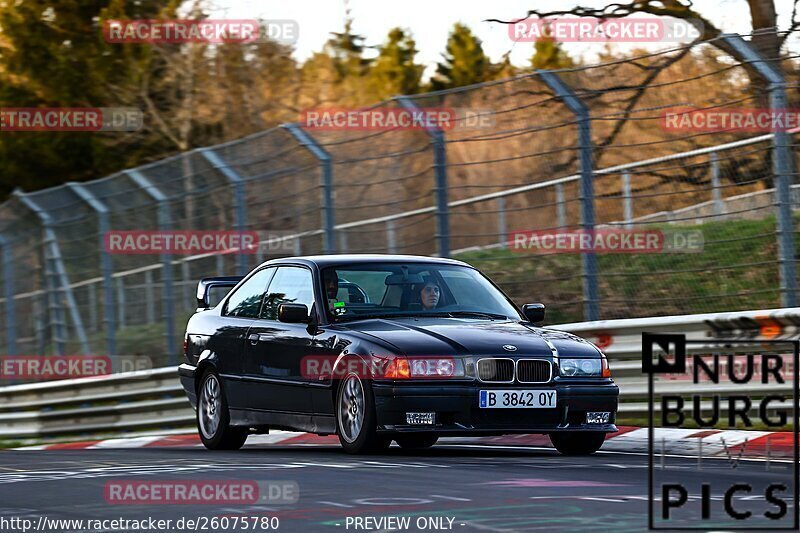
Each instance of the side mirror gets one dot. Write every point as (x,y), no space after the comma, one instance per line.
(293,313)
(533,312)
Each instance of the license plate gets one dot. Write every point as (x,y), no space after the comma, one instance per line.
(419,418)
(598,417)
(522,399)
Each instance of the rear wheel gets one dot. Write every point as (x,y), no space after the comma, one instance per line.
(355,417)
(416,441)
(578,443)
(213,417)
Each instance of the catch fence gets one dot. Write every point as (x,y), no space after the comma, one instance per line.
(582,148)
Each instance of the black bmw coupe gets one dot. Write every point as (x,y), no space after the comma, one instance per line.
(375,348)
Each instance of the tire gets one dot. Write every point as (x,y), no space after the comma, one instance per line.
(213,417)
(578,443)
(416,441)
(355,417)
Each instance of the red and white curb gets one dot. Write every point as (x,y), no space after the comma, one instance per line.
(689,442)
(731,444)
(186,440)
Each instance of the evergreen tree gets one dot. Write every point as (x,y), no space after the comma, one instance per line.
(53,54)
(503,69)
(549,54)
(394,71)
(347,50)
(464,61)
(337,75)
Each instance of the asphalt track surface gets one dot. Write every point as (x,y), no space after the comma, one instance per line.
(478,487)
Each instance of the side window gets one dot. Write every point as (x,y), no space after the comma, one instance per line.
(290,285)
(246,301)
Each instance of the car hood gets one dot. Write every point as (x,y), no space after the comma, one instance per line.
(454,336)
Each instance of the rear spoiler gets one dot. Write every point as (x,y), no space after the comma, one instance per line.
(206,284)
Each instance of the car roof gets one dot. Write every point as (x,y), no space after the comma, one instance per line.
(323,261)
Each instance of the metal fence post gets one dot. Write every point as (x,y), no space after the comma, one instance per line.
(627,199)
(164,224)
(590,293)
(39,309)
(239,204)
(91,292)
(57,280)
(55,312)
(440,170)
(561,209)
(326,168)
(501,222)
(781,165)
(716,194)
(391,237)
(52,302)
(186,286)
(8,285)
(149,298)
(121,301)
(105,263)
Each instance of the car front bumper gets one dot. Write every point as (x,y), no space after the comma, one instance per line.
(457,411)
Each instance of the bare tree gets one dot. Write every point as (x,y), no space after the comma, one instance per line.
(763,18)
(765,36)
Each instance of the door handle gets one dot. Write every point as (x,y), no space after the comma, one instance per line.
(253,338)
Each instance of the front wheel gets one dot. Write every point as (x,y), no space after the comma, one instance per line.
(355,417)
(213,417)
(578,443)
(416,442)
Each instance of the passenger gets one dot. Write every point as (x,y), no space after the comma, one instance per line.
(429,295)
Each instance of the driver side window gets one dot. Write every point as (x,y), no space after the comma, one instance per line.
(290,285)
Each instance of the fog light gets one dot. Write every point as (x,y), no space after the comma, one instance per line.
(416,419)
(598,417)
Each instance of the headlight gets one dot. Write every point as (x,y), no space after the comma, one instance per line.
(584,367)
(424,367)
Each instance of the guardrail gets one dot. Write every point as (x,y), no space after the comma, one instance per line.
(154,400)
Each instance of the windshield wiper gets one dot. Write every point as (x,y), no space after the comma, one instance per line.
(423,314)
(476,314)
(375,315)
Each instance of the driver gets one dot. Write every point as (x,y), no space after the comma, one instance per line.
(331,280)
(429,295)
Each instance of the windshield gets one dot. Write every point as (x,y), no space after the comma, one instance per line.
(376,290)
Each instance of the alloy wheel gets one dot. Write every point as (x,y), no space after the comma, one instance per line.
(351,408)
(210,407)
